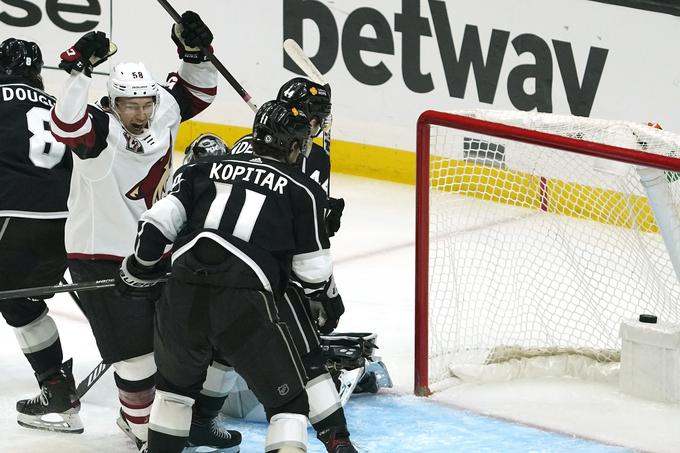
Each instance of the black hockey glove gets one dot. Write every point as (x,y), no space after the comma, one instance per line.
(327,308)
(91,50)
(136,281)
(335,208)
(190,34)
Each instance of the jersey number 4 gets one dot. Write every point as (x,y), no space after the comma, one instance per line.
(43,149)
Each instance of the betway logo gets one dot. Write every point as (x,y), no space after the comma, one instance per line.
(459,59)
(65,15)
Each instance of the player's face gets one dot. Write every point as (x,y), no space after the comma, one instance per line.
(318,125)
(135,113)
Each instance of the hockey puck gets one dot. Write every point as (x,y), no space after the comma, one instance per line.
(650,319)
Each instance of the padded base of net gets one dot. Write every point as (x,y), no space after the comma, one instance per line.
(506,363)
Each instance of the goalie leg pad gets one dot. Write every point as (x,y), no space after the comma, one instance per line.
(287,433)
(323,398)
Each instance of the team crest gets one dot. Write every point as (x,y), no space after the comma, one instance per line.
(152,187)
(132,144)
(283,389)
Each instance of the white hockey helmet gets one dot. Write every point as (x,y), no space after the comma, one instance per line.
(131,80)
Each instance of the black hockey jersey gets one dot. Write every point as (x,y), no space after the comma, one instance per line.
(317,166)
(35,169)
(266,214)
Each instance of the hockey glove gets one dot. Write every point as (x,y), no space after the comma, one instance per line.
(189,35)
(91,50)
(139,282)
(327,308)
(335,208)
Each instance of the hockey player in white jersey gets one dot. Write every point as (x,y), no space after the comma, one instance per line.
(34,175)
(122,149)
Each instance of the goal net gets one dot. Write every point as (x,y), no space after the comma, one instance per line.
(536,235)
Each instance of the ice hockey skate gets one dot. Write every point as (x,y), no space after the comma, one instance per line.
(336,440)
(209,432)
(56,407)
(125,427)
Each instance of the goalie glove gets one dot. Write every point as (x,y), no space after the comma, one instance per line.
(90,51)
(327,307)
(136,281)
(190,35)
(335,208)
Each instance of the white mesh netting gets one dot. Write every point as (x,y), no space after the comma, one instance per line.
(538,251)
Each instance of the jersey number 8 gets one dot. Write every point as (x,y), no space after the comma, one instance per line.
(43,149)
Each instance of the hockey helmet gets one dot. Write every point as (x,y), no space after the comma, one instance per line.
(131,80)
(314,99)
(278,125)
(21,59)
(204,146)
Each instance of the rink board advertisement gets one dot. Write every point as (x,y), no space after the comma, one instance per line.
(388,61)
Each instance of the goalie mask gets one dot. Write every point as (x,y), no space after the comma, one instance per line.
(205,146)
(278,125)
(129,82)
(19,58)
(314,99)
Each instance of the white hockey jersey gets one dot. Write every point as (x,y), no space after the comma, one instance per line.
(117,176)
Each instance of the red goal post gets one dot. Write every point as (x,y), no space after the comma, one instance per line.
(495,129)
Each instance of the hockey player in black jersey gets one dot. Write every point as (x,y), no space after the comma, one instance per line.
(34,180)
(241,228)
(326,412)
(122,159)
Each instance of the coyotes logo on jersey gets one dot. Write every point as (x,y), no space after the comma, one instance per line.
(152,187)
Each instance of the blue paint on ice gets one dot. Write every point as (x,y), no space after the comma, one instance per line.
(389,424)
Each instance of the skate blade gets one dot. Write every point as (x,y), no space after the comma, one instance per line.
(126,429)
(204,449)
(56,422)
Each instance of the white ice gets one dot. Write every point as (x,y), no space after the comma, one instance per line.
(374,254)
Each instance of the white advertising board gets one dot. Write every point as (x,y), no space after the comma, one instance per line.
(390,60)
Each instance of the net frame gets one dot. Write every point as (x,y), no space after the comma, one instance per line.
(504,131)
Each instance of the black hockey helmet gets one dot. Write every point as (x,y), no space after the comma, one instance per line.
(204,146)
(314,99)
(19,58)
(277,126)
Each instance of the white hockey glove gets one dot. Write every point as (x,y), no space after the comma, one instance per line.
(91,50)
(189,35)
(327,307)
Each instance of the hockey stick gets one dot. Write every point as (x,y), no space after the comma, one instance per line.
(301,59)
(87,383)
(73,295)
(247,98)
(45,290)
